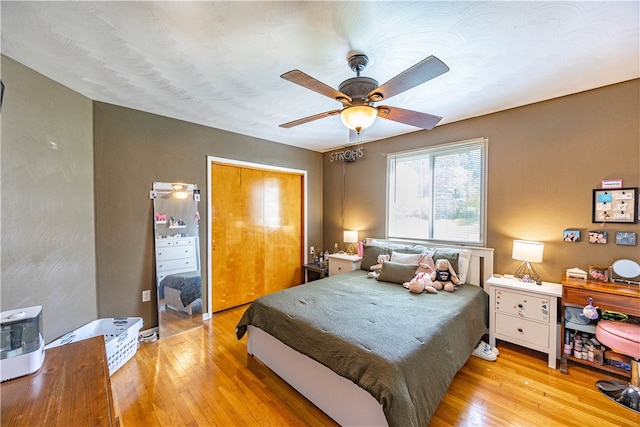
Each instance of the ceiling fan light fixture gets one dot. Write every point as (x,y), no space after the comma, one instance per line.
(358,117)
(180,194)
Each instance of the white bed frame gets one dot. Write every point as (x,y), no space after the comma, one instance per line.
(172,300)
(341,399)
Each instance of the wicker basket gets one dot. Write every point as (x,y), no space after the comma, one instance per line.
(120,336)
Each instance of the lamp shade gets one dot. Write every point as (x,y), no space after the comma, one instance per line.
(350,236)
(526,250)
(359,117)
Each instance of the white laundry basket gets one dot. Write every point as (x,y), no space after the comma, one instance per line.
(120,336)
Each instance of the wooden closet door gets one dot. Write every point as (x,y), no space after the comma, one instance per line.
(257,231)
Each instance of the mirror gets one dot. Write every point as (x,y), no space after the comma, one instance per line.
(625,269)
(179,284)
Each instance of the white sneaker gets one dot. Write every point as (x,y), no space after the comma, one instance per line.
(483,351)
(491,349)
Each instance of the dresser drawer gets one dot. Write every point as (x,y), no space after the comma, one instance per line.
(605,301)
(525,331)
(165,243)
(174,252)
(187,264)
(523,305)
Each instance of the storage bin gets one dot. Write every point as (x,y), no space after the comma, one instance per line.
(120,336)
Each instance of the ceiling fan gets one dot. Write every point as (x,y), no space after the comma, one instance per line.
(358,94)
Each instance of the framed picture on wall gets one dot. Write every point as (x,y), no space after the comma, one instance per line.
(571,236)
(615,205)
(598,237)
(626,238)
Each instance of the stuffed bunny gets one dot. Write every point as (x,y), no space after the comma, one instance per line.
(420,282)
(375,269)
(444,277)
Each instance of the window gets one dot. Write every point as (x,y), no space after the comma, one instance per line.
(438,193)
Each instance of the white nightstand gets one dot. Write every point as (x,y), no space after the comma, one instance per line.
(525,314)
(342,263)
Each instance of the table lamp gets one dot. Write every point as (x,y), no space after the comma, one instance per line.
(350,237)
(527,252)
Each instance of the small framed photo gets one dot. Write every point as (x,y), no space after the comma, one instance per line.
(615,205)
(571,236)
(598,237)
(598,273)
(626,238)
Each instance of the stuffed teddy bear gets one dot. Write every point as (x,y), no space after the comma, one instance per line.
(375,269)
(444,277)
(420,282)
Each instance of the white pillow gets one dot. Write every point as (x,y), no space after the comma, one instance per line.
(400,258)
(464,260)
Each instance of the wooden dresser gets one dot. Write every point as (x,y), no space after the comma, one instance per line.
(615,297)
(72,388)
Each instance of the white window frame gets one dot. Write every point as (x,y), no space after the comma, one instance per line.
(439,150)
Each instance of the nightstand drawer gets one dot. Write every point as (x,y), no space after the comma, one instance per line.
(339,266)
(523,305)
(343,263)
(522,330)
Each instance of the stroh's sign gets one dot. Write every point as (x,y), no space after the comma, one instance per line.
(349,155)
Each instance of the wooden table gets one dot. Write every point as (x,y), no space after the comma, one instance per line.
(618,297)
(317,267)
(72,388)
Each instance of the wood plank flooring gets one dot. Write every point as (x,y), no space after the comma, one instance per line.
(204,377)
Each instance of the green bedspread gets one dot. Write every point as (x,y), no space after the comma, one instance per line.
(403,348)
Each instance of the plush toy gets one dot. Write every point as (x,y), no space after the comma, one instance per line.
(426,265)
(420,282)
(375,269)
(444,277)
(161,217)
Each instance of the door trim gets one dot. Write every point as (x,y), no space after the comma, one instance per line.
(259,166)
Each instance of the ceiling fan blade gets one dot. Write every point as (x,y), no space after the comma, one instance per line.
(310,119)
(306,81)
(409,117)
(423,71)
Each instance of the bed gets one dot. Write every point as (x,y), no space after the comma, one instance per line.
(181,290)
(367,351)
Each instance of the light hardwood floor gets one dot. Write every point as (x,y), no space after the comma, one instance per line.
(205,377)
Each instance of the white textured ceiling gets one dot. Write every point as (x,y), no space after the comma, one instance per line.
(218,63)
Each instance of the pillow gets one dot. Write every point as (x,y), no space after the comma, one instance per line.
(460,259)
(401,258)
(416,250)
(397,273)
(448,254)
(370,256)
(464,261)
(371,252)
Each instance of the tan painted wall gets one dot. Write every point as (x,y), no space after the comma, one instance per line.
(48,256)
(132,150)
(544,160)
(54,253)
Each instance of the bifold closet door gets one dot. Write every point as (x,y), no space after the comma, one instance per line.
(257,233)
